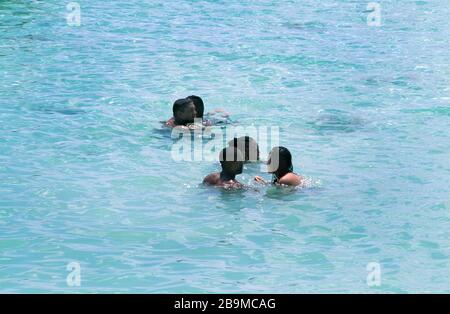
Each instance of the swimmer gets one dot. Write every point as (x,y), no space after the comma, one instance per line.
(199,106)
(280,165)
(184,113)
(231,160)
(248,146)
(200,109)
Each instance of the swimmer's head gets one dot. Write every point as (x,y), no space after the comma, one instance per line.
(280,161)
(199,106)
(248,146)
(184,111)
(232,160)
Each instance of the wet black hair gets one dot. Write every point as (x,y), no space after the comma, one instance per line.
(236,142)
(284,162)
(199,106)
(230,153)
(179,105)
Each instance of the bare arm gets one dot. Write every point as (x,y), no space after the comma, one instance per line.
(290,179)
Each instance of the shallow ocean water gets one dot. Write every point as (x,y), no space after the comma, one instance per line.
(86,174)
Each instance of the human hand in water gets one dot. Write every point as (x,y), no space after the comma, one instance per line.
(193,126)
(222,112)
(260,180)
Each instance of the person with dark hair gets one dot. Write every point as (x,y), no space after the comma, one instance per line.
(206,120)
(279,164)
(248,146)
(199,106)
(232,162)
(184,113)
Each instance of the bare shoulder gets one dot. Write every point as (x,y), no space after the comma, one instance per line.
(291,179)
(212,179)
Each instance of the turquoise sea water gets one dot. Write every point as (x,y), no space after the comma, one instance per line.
(87,176)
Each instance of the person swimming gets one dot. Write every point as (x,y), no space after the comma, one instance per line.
(200,109)
(279,164)
(199,105)
(248,146)
(232,162)
(184,113)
